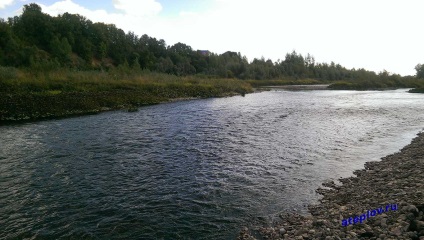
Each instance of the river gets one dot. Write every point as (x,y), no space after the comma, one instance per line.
(198,169)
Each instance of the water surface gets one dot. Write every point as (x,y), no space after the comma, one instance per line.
(197,169)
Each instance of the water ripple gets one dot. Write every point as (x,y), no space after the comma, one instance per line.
(195,169)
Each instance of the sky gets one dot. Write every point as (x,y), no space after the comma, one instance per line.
(373,34)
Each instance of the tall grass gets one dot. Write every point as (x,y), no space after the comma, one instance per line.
(62,92)
(19,81)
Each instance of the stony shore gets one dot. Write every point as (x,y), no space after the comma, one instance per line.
(24,107)
(300,87)
(397,179)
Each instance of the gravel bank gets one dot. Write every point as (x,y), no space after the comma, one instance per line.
(27,107)
(397,181)
(300,87)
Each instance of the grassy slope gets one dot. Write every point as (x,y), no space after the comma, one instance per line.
(25,95)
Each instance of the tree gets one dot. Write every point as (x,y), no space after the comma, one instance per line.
(136,65)
(420,70)
(61,50)
(181,49)
(8,46)
(34,27)
(165,65)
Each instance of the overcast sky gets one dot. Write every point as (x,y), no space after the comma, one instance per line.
(370,34)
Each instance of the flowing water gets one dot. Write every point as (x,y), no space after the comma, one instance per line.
(197,169)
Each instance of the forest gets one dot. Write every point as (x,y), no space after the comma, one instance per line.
(69,53)
(39,41)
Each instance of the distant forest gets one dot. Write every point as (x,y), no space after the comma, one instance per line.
(36,40)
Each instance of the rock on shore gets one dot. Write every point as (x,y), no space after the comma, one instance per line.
(396,180)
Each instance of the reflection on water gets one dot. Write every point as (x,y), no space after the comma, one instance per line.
(196,169)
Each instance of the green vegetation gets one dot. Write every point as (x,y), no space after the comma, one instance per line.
(14,80)
(66,65)
(417,90)
(39,41)
(420,70)
(282,82)
(381,81)
(26,96)
(420,75)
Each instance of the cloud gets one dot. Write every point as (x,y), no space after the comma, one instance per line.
(188,14)
(137,16)
(71,7)
(5,3)
(138,7)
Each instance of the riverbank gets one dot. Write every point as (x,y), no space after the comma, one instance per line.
(417,90)
(299,87)
(21,107)
(396,179)
(377,84)
(29,97)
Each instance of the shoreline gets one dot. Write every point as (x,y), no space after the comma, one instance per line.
(300,87)
(395,179)
(26,108)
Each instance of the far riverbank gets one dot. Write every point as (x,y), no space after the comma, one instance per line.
(299,87)
(27,95)
(63,93)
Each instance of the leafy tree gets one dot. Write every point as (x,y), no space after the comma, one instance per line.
(420,71)
(34,27)
(181,49)
(8,46)
(61,50)
(165,65)
(136,65)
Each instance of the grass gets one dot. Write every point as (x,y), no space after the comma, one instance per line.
(62,81)
(27,95)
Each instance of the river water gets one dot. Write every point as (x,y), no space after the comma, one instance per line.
(197,169)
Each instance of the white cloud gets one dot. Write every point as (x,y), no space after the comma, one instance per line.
(138,7)
(5,3)
(138,16)
(188,14)
(71,7)
(139,21)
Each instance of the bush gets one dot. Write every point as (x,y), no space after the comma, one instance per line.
(8,73)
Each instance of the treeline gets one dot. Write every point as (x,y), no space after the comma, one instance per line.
(41,42)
